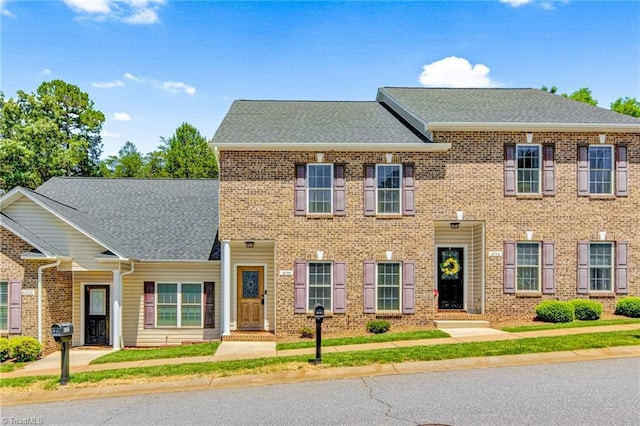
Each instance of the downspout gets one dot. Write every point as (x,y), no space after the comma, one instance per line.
(133,267)
(40,269)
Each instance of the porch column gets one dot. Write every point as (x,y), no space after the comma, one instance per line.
(225,271)
(116,310)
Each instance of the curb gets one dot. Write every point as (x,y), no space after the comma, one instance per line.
(317,374)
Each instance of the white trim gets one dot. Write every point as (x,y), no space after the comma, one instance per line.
(331,188)
(330,262)
(399,189)
(535,127)
(465,268)
(264,288)
(178,304)
(338,147)
(540,162)
(82,310)
(400,285)
(539,267)
(612,170)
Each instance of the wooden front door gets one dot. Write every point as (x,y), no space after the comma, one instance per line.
(96,315)
(451,278)
(250,297)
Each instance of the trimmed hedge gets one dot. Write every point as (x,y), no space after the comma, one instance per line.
(24,348)
(555,311)
(5,349)
(378,326)
(587,310)
(628,306)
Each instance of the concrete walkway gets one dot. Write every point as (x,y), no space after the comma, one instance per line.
(81,357)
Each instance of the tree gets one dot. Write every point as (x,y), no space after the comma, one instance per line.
(129,162)
(627,105)
(553,89)
(582,95)
(188,155)
(55,131)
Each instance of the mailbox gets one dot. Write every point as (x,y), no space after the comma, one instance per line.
(62,331)
(318,312)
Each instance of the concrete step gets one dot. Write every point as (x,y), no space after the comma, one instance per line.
(444,324)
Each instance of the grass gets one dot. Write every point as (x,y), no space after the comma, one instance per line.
(342,359)
(126,355)
(370,338)
(573,324)
(8,367)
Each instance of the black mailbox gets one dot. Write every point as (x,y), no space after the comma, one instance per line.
(62,331)
(319,312)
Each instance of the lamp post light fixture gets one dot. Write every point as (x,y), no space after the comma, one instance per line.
(249,244)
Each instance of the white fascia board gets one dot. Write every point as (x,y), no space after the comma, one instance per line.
(11,196)
(71,224)
(177,261)
(338,147)
(536,127)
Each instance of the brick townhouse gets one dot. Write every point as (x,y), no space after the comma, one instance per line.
(422,204)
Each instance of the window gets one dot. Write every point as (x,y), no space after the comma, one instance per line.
(528,165)
(388,287)
(600,266)
(600,169)
(319,185)
(4,305)
(388,188)
(179,304)
(319,285)
(528,267)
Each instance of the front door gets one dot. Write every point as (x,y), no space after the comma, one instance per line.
(450,278)
(250,297)
(96,315)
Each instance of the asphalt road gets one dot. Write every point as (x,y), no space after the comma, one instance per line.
(603,392)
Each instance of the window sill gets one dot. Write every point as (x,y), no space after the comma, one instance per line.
(602,197)
(602,295)
(389,216)
(388,314)
(529,196)
(327,314)
(528,294)
(319,216)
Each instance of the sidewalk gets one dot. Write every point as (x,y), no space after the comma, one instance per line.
(80,359)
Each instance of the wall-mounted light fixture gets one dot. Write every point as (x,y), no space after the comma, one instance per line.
(460,214)
(602,235)
(319,157)
(603,137)
(454,225)
(529,137)
(249,244)
(529,235)
(389,158)
(319,254)
(389,254)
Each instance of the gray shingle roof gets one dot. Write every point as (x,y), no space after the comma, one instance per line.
(23,232)
(435,105)
(146,219)
(291,122)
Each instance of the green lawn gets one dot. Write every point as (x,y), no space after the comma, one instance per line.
(369,338)
(573,324)
(356,358)
(125,355)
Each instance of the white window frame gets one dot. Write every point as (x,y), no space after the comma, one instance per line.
(399,309)
(398,190)
(539,168)
(611,169)
(179,304)
(310,307)
(330,188)
(5,283)
(538,266)
(610,267)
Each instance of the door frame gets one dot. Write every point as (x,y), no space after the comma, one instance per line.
(465,269)
(83,292)
(234,292)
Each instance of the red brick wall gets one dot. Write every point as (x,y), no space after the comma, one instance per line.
(257,195)
(56,289)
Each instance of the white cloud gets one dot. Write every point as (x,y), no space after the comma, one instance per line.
(3,9)
(515,3)
(136,12)
(121,116)
(107,84)
(456,72)
(130,76)
(107,134)
(45,71)
(177,87)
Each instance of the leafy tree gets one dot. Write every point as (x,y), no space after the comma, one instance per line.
(54,131)
(582,95)
(627,105)
(553,89)
(188,155)
(154,164)
(129,161)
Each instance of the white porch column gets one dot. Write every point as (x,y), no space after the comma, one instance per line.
(225,270)
(116,310)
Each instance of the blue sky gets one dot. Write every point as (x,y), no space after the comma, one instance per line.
(150,65)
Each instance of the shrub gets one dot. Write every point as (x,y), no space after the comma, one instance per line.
(306,332)
(587,310)
(378,326)
(555,311)
(24,348)
(628,306)
(5,349)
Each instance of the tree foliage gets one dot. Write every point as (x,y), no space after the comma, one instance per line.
(188,155)
(128,163)
(52,132)
(582,95)
(628,106)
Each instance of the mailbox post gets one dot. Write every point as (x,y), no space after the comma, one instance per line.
(62,333)
(319,315)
